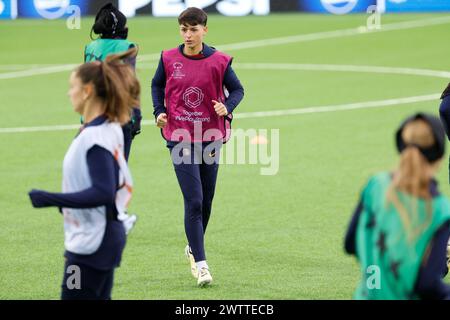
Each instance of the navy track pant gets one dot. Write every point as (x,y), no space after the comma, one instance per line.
(197,182)
(93,284)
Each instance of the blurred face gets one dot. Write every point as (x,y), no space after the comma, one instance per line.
(193,35)
(77,93)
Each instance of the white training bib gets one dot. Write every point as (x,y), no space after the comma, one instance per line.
(84,228)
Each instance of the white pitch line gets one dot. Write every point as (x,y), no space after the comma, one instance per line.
(343,68)
(40,129)
(260,43)
(320,35)
(332,67)
(335,34)
(341,107)
(149,57)
(14,67)
(37,71)
(247,115)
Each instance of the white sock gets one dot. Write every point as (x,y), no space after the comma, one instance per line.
(202,264)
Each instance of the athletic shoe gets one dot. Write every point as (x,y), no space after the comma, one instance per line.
(190,257)
(204,277)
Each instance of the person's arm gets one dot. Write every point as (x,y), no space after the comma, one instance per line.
(444,112)
(158,90)
(132,60)
(429,283)
(136,119)
(84,55)
(103,171)
(136,116)
(235,89)
(350,237)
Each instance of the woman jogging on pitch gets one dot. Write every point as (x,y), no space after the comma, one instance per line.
(192,110)
(111,27)
(401,225)
(97,184)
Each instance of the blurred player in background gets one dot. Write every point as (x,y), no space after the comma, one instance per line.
(111,26)
(188,93)
(401,226)
(444,111)
(97,184)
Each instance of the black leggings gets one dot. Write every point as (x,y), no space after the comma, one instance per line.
(128,139)
(91,284)
(198,184)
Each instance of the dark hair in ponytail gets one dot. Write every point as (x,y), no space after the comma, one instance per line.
(115,83)
(412,178)
(110,23)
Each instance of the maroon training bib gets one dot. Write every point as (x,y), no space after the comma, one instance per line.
(191,86)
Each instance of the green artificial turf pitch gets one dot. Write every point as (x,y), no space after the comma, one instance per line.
(270,237)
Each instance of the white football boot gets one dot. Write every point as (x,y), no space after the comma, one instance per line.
(204,277)
(190,257)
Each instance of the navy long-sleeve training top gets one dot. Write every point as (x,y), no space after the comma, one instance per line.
(230,81)
(104,173)
(429,284)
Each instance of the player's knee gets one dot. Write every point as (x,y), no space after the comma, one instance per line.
(194,206)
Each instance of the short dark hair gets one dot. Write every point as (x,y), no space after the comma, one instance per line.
(193,16)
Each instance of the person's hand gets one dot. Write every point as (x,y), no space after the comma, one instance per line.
(220,108)
(161,121)
(36,198)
